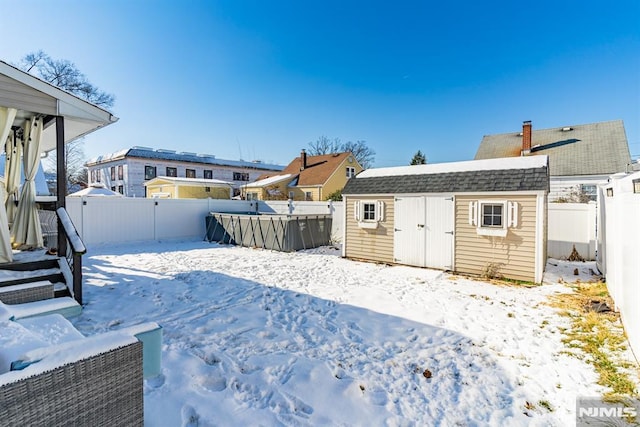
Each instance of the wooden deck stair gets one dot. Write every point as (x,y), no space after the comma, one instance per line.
(48,269)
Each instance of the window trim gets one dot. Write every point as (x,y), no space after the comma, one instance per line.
(509,217)
(351,172)
(360,212)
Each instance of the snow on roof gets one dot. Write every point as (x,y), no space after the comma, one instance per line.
(269,181)
(527,162)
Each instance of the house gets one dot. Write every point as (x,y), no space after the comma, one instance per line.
(36,117)
(127,170)
(480,217)
(305,178)
(166,187)
(580,156)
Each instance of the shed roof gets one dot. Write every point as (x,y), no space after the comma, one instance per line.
(589,149)
(516,174)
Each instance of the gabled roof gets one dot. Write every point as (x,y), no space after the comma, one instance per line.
(80,117)
(172,155)
(317,171)
(591,149)
(269,181)
(512,174)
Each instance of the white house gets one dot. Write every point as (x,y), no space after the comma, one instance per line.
(127,170)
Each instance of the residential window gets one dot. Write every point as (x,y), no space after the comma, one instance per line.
(121,189)
(369,211)
(93,176)
(120,172)
(252,196)
(149,172)
(113,188)
(191,173)
(98,175)
(609,192)
(208,174)
(308,196)
(351,172)
(172,171)
(589,190)
(113,173)
(492,215)
(636,186)
(241,176)
(291,193)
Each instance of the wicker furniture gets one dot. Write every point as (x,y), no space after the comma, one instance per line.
(28,292)
(102,389)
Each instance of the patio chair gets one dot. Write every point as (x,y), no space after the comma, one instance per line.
(94,381)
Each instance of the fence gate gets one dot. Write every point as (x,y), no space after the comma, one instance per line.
(423,231)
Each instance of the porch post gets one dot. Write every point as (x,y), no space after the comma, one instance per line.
(61,181)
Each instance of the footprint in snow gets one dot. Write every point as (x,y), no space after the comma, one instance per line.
(190,417)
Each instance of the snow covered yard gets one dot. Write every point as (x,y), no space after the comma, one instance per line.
(254,337)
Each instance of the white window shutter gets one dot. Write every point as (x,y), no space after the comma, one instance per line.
(380,213)
(473,213)
(512,211)
(356,210)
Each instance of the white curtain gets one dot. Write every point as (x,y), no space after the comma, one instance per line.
(13,150)
(26,231)
(7,115)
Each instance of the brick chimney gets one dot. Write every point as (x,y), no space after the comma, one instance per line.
(526,137)
(303,159)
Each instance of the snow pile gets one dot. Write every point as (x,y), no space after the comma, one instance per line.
(254,337)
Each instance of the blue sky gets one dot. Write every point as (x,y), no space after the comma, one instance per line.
(261,79)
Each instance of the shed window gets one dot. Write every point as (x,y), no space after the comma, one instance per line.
(369,211)
(149,172)
(492,215)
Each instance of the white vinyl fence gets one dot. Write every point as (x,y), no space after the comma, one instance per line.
(126,219)
(619,257)
(571,224)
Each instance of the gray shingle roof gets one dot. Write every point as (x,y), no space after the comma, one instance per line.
(591,149)
(453,182)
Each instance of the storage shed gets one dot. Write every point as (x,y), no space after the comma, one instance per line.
(481,217)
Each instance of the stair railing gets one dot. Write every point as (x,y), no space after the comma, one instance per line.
(71,247)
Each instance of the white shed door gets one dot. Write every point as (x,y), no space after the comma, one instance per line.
(424,231)
(409,241)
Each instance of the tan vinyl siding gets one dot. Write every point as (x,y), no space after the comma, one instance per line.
(515,253)
(17,95)
(371,244)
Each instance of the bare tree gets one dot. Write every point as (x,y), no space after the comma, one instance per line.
(65,75)
(361,151)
